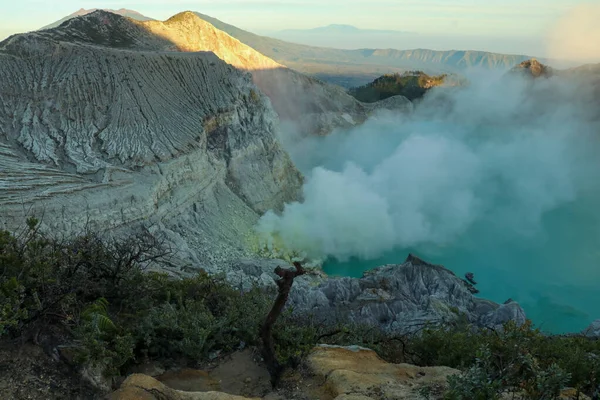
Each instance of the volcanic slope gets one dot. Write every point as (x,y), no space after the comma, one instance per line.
(82,11)
(311,105)
(99,128)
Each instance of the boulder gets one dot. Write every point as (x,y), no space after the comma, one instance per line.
(144,387)
(356,373)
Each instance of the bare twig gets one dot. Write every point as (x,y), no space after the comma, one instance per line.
(284,285)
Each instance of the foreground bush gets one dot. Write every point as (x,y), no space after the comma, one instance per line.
(97,295)
(519,360)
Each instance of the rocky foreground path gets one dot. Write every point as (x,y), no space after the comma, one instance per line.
(340,373)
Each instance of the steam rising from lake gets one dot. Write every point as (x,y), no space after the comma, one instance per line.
(499,178)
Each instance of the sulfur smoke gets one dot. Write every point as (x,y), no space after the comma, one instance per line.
(502,152)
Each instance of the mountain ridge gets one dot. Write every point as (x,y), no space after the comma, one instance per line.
(350,68)
(82,11)
(311,105)
(345,37)
(254,40)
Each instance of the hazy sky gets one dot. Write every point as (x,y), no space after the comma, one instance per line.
(509,25)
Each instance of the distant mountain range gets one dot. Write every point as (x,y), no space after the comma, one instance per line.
(351,68)
(339,28)
(586,70)
(342,36)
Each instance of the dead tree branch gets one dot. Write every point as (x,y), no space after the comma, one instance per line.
(284,285)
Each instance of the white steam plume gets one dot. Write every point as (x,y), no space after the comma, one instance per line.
(502,152)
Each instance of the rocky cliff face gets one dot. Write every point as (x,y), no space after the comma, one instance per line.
(97,127)
(315,107)
(593,330)
(110,121)
(400,298)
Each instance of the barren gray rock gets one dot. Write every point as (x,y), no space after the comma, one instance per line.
(593,330)
(316,107)
(400,298)
(94,132)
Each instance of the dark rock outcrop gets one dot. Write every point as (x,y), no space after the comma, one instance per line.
(533,68)
(399,298)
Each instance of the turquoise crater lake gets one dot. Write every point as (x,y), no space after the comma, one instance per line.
(500,178)
(553,276)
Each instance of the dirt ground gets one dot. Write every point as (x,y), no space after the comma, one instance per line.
(29,373)
(26,372)
(243,374)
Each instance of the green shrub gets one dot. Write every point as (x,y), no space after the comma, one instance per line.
(169,330)
(521,358)
(295,337)
(193,317)
(478,382)
(98,294)
(524,378)
(547,384)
